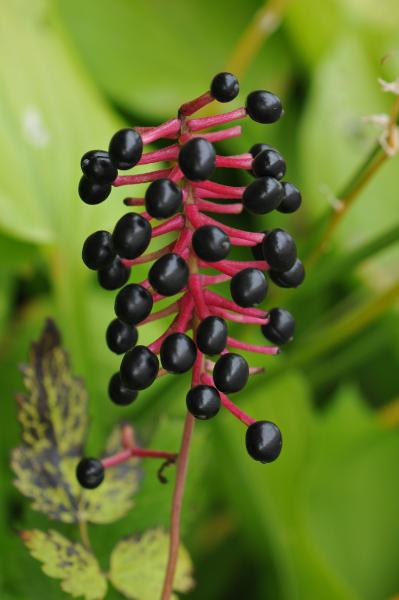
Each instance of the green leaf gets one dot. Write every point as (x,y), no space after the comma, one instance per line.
(53,416)
(62,559)
(138,566)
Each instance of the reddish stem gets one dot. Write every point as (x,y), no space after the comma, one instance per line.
(134,201)
(195,287)
(241,161)
(141,177)
(230,316)
(147,257)
(205,122)
(214,279)
(124,455)
(188,108)
(223,302)
(272,350)
(231,407)
(174,224)
(225,209)
(171,127)
(169,153)
(218,190)
(214,136)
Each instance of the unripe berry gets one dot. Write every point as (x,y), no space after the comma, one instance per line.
(248,287)
(263,106)
(163,199)
(263,195)
(178,353)
(197,159)
(120,336)
(230,373)
(92,192)
(132,235)
(211,243)
(225,87)
(279,250)
(125,148)
(97,166)
(169,274)
(203,401)
(133,304)
(139,368)
(98,251)
(269,163)
(114,275)
(119,393)
(292,198)
(281,326)
(90,473)
(291,278)
(211,335)
(263,440)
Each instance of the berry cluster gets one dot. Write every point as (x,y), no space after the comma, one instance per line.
(179,196)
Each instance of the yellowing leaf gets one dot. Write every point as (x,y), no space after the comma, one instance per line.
(138,566)
(62,559)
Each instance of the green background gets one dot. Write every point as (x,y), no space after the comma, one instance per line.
(322,522)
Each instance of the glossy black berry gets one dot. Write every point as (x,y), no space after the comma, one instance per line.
(263,195)
(281,326)
(230,373)
(211,336)
(292,198)
(211,243)
(132,235)
(291,278)
(257,251)
(120,336)
(178,353)
(133,304)
(225,87)
(197,159)
(203,401)
(93,192)
(258,148)
(248,287)
(119,393)
(114,275)
(279,250)
(98,251)
(263,440)
(90,473)
(139,368)
(125,148)
(97,165)
(263,106)
(169,274)
(163,199)
(269,163)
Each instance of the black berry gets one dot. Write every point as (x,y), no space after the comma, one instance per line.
(211,243)
(169,274)
(98,251)
(133,304)
(263,106)
(269,163)
(211,336)
(257,251)
(263,195)
(281,326)
(279,250)
(258,148)
(93,192)
(178,353)
(230,373)
(120,336)
(125,148)
(203,401)
(90,473)
(291,278)
(248,287)
(97,165)
(225,87)
(163,199)
(197,159)
(263,440)
(132,235)
(292,198)
(119,393)
(114,275)
(139,368)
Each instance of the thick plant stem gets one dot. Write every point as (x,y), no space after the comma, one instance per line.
(181,473)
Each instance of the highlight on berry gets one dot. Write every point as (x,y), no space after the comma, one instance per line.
(185,201)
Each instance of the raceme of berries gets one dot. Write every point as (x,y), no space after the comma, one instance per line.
(182,196)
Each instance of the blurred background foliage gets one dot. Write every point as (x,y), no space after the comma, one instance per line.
(322,522)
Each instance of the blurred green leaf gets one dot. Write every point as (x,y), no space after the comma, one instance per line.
(138,566)
(62,559)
